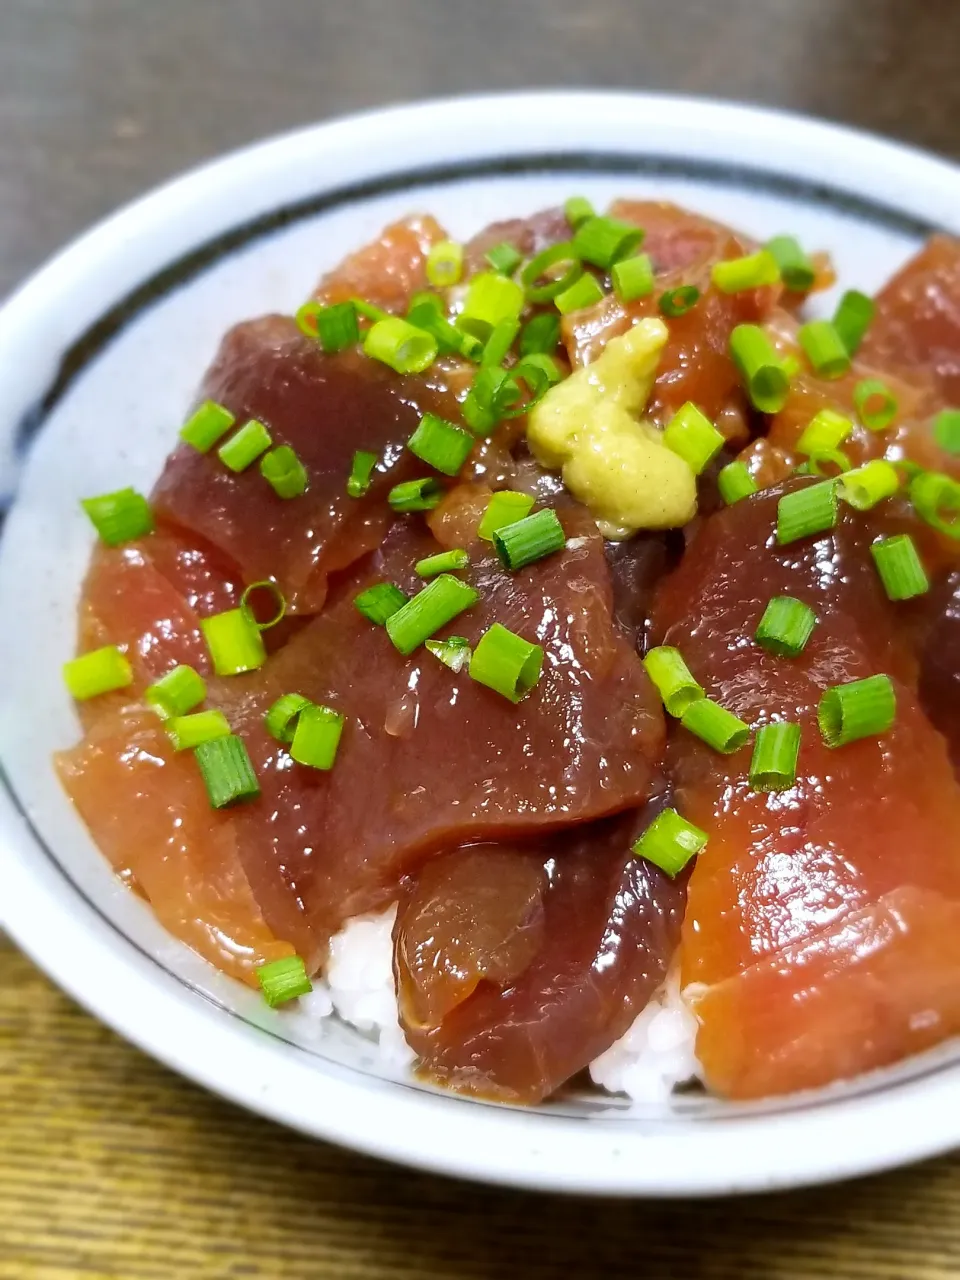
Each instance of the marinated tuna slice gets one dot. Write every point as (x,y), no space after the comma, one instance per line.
(695,364)
(325,408)
(806,901)
(916,328)
(387,271)
(940,662)
(607,925)
(431,760)
(472,916)
(528,236)
(148,811)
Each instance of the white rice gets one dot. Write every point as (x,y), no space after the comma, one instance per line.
(655,1054)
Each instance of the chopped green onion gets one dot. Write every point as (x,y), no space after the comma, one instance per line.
(796,268)
(234,642)
(692,436)
(773,766)
(817,463)
(824,348)
(493,393)
(227,771)
(442,562)
(604,241)
(120,516)
(864,487)
(245,446)
(760,367)
(283,980)
(812,509)
(876,404)
(207,425)
(361,473)
(187,732)
(426,312)
(540,335)
(445,264)
(400,345)
(491,299)
(499,343)
(540,372)
(672,678)
(284,472)
(441,444)
(415,495)
(100,671)
(438,603)
(670,842)
(935,497)
(677,302)
(858,709)
(505,507)
(946,430)
(503,257)
(578,209)
(334,327)
(454,652)
(585,292)
(506,663)
(826,430)
(718,727)
(852,318)
(176,693)
(735,275)
(900,567)
(524,541)
(786,626)
(380,602)
(280,720)
(735,482)
(277,596)
(632,277)
(317,737)
(540,282)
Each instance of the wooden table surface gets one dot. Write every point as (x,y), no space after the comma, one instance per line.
(109,1165)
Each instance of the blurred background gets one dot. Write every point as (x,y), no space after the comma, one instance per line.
(109,1165)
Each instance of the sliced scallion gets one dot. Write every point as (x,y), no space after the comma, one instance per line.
(524,541)
(859,709)
(604,241)
(672,678)
(503,257)
(692,436)
(585,292)
(99,671)
(505,507)
(677,302)
(577,210)
(119,517)
(735,482)
(176,693)
(812,509)
(380,602)
(506,663)
(189,731)
(209,423)
(400,345)
(542,277)
(876,404)
(442,562)
(454,652)
(776,749)
(865,486)
(499,343)
(284,472)
(361,473)
(540,335)
(283,980)
(245,446)
(281,719)
(491,299)
(826,430)
(234,642)
(316,737)
(760,367)
(227,771)
(632,277)
(734,275)
(445,264)
(277,598)
(438,603)
(335,327)
(670,842)
(946,430)
(825,349)
(786,626)
(415,495)
(796,268)
(715,725)
(441,444)
(852,318)
(900,567)
(936,499)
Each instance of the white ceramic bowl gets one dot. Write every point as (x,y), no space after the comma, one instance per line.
(100,353)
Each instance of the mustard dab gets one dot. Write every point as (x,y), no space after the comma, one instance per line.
(588,428)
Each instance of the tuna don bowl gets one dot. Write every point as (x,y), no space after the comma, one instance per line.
(481,679)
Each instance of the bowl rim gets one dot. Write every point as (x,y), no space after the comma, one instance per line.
(826,1141)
